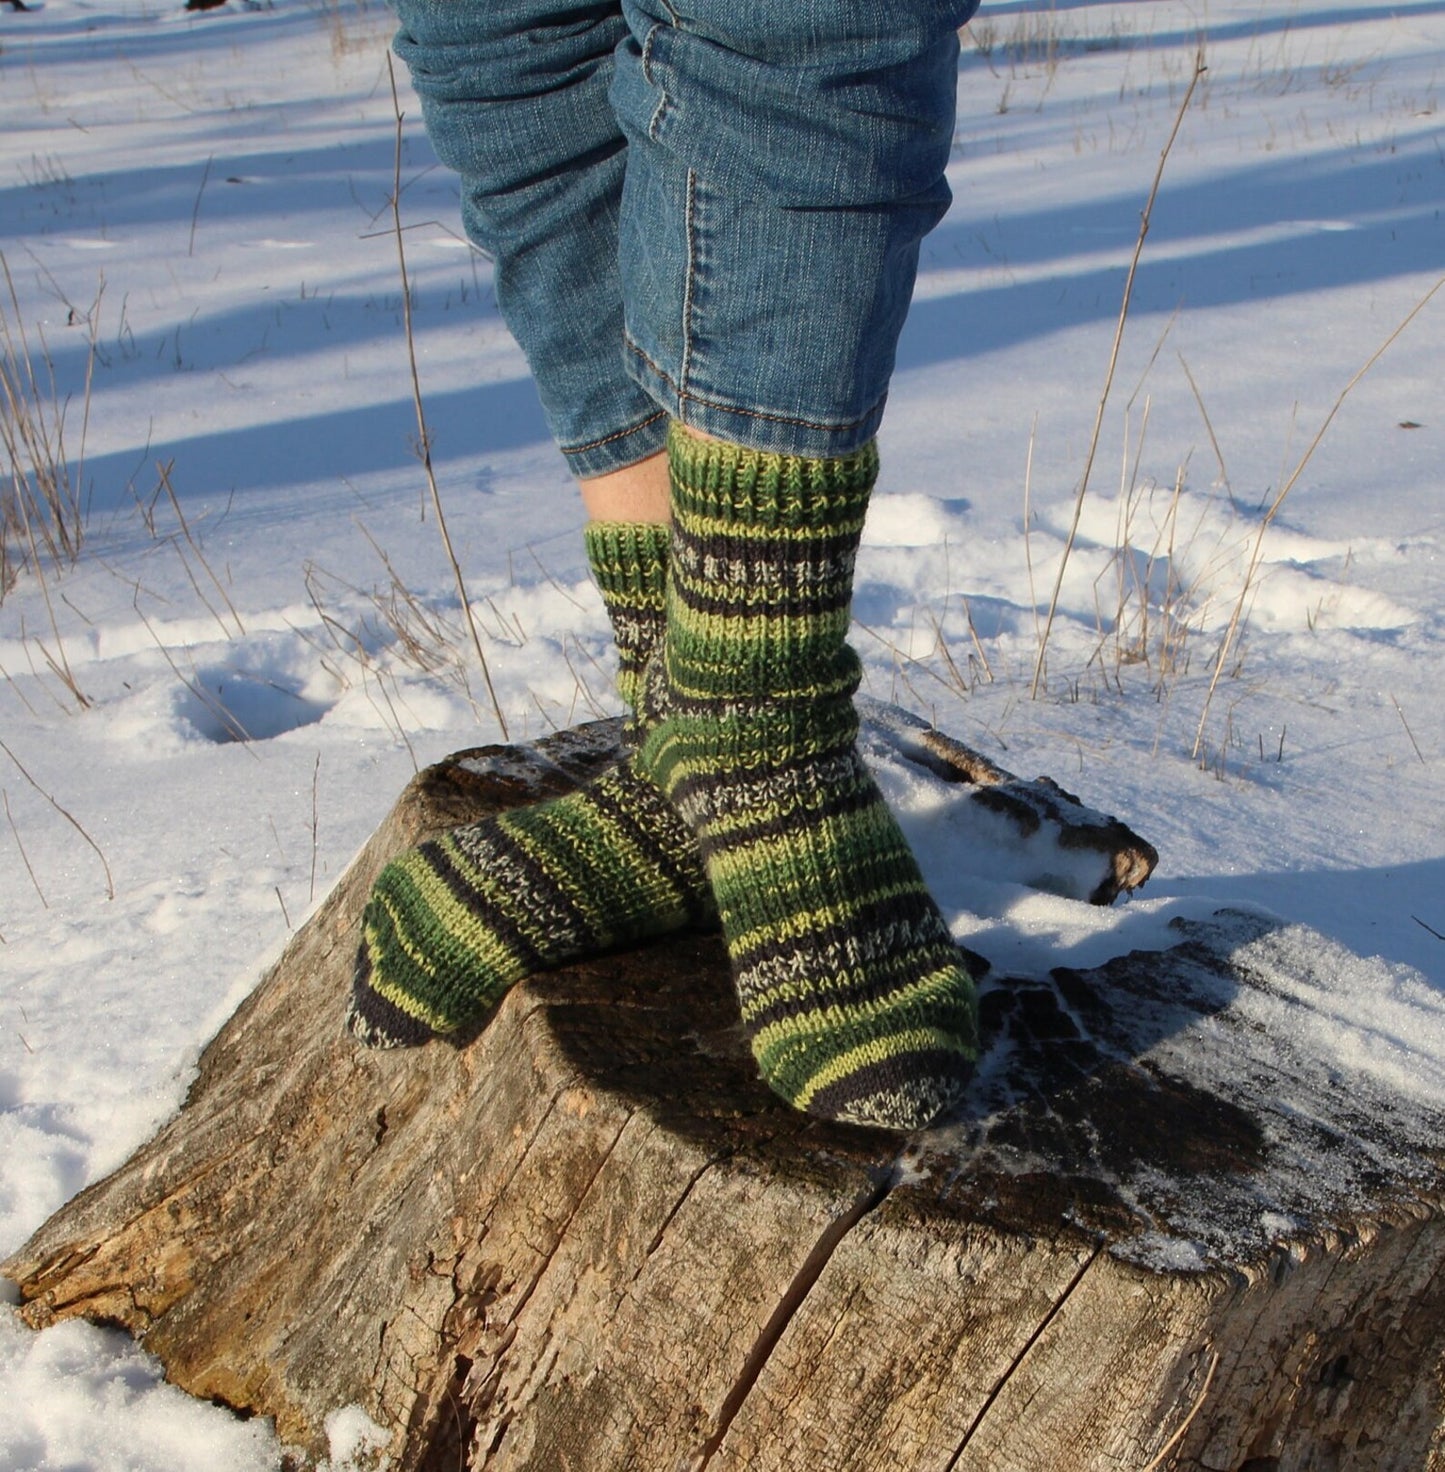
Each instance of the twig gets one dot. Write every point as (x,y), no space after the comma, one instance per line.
(24,699)
(163,469)
(1028,525)
(1256,556)
(977,642)
(315,825)
(1153,357)
(1209,429)
(1418,921)
(285,914)
(1199,69)
(1408,731)
(196,208)
(24,857)
(109,881)
(902,658)
(941,645)
(532,553)
(423,437)
(94,323)
(1194,1411)
(62,670)
(376,673)
(227,718)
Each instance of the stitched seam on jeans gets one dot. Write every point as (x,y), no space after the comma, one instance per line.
(762,414)
(647,55)
(621,434)
(688,280)
(654,123)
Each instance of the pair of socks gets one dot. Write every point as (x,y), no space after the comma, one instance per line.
(745,793)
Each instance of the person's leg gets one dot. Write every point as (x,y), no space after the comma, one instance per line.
(452,924)
(784,161)
(638,493)
(514,94)
(799,155)
(858,1004)
(516,100)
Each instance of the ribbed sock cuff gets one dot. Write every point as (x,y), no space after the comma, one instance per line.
(629,561)
(761,580)
(754,488)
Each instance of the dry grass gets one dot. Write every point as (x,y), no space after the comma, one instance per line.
(1237,618)
(64,813)
(42,512)
(423,434)
(354,25)
(1083,490)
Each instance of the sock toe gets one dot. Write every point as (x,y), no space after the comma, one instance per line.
(909,1093)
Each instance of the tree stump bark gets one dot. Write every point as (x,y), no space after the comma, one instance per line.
(1167,1229)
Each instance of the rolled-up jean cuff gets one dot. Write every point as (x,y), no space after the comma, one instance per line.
(778,185)
(617,451)
(758,429)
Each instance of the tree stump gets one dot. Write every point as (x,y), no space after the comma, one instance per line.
(1167,1229)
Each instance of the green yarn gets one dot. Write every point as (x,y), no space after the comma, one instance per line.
(451,925)
(857,1003)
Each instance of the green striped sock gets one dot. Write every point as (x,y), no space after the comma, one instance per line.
(452,924)
(858,1004)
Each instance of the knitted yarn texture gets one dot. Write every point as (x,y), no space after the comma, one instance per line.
(857,1003)
(452,924)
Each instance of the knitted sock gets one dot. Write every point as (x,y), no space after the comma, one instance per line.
(451,925)
(858,1004)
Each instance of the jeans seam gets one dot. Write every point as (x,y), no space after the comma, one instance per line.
(647,55)
(620,434)
(686,397)
(688,282)
(654,123)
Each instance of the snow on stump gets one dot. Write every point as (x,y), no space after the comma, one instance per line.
(1174,1226)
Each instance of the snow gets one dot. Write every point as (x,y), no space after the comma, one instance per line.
(77,1397)
(266,638)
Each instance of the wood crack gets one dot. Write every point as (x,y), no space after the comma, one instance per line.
(470,1389)
(687,1190)
(1022,1355)
(560,1235)
(808,1273)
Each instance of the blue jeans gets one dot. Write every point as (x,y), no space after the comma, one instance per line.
(708,210)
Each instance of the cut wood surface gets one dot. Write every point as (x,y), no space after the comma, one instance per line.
(1170,1227)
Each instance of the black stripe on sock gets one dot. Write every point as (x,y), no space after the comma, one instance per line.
(483,907)
(933,1078)
(687,881)
(843,973)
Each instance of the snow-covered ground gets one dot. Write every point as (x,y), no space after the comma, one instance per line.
(207,713)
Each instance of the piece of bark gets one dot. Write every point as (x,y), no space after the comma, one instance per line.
(592,1239)
(1029,807)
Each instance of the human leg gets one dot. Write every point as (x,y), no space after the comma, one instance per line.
(783,164)
(639,493)
(719,251)
(857,1002)
(801,167)
(515,95)
(452,924)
